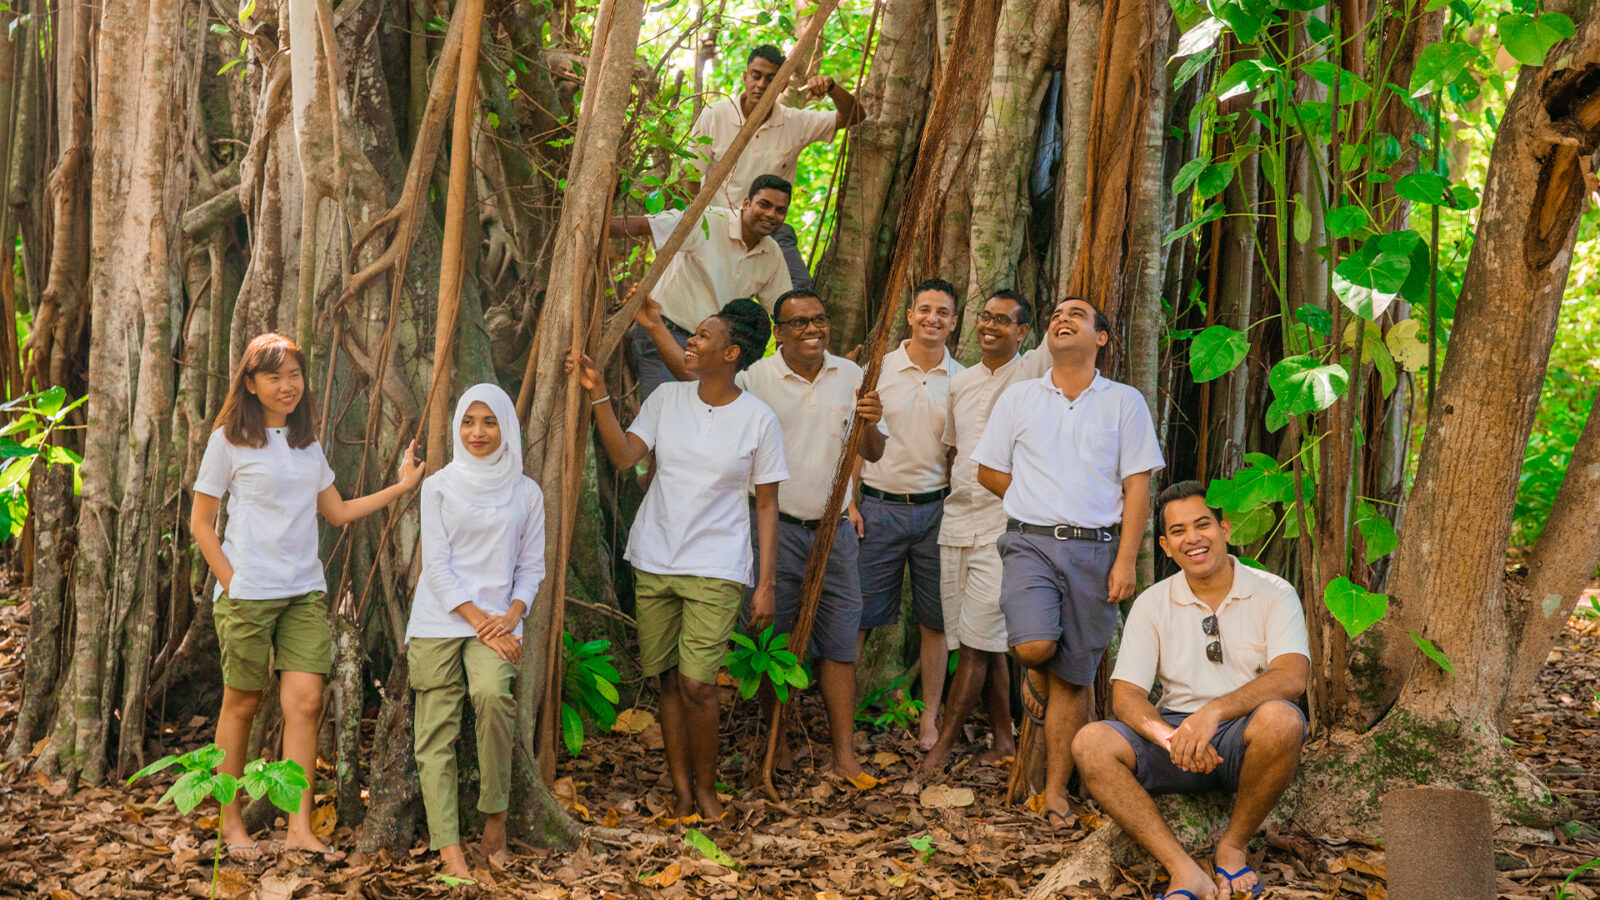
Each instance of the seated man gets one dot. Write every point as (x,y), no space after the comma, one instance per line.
(1228,644)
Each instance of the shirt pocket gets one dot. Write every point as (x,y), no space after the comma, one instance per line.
(1251,658)
(1100,445)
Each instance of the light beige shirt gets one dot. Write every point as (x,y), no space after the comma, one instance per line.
(972,515)
(815,418)
(773,150)
(714,266)
(1164,639)
(915,404)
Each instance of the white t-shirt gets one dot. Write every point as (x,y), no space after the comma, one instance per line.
(915,404)
(490,556)
(1067,458)
(773,150)
(695,518)
(271,538)
(1163,639)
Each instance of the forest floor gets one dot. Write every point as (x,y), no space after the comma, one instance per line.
(827,841)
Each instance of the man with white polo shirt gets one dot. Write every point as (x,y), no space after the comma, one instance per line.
(902,494)
(775,147)
(730,256)
(1070,455)
(1228,644)
(973,520)
(814,394)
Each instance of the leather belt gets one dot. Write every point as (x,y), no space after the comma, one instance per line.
(868,490)
(803,523)
(1067,532)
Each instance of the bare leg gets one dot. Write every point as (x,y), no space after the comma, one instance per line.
(233,736)
(1066,712)
(301,695)
(997,705)
(454,862)
(700,701)
(839,696)
(934,660)
(1106,762)
(494,838)
(1272,750)
(675,738)
(965,687)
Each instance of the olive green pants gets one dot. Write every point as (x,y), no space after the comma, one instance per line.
(445,671)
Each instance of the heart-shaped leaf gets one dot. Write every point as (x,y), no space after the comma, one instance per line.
(1354,607)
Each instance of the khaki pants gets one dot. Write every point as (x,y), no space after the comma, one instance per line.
(444,671)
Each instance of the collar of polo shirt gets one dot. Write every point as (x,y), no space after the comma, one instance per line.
(829,363)
(774,118)
(1243,587)
(1099,382)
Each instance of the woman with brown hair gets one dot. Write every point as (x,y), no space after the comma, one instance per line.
(270,611)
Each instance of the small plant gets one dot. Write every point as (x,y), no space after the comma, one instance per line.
(1561,892)
(898,710)
(766,657)
(24,441)
(589,686)
(281,782)
(924,845)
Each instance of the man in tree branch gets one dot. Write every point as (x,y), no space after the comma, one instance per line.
(775,148)
(1070,455)
(1228,644)
(731,255)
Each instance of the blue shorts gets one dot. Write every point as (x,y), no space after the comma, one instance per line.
(1054,590)
(1158,775)
(833,635)
(900,535)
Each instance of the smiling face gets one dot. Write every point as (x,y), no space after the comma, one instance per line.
(1072,329)
(480,430)
(764,213)
(931,317)
(711,347)
(999,339)
(803,339)
(1195,537)
(758,77)
(279,391)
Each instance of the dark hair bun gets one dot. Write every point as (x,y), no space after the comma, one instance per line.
(750,328)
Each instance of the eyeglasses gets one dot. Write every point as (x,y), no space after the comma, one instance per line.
(988,318)
(1213,649)
(801,323)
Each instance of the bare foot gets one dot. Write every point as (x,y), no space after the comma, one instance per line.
(682,805)
(997,753)
(1194,881)
(237,844)
(494,840)
(1034,689)
(1235,860)
(929,731)
(709,804)
(846,766)
(1058,811)
(934,764)
(306,842)
(453,862)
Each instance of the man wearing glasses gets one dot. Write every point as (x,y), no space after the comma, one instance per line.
(1228,644)
(1070,455)
(815,395)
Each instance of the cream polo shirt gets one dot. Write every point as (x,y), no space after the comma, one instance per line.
(714,266)
(1163,639)
(815,417)
(1067,458)
(773,150)
(972,515)
(915,404)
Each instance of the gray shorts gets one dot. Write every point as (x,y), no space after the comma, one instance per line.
(1155,770)
(1054,590)
(833,635)
(653,371)
(898,535)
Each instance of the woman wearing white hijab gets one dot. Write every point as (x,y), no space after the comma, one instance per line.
(482,561)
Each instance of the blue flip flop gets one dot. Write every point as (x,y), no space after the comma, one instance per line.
(1178,893)
(1254,891)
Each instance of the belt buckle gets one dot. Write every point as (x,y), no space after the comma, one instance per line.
(1103,535)
(1056,533)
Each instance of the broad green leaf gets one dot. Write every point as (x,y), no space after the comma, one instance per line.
(1375,267)
(571,729)
(1302,219)
(1366,302)
(1245,18)
(1192,67)
(1213,180)
(203,759)
(49,402)
(1187,175)
(654,202)
(708,848)
(1432,652)
(1217,351)
(1243,76)
(1306,385)
(1252,526)
(10,449)
(1315,318)
(1252,562)
(1201,37)
(1212,213)
(1351,88)
(224,786)
(1250,488)
(281,782)
(187,792)
(1407,345)
(162,763)
(1377,532)
(1529,40)
(1439,64)
(1354,607)
(1347,220)
(1425,187)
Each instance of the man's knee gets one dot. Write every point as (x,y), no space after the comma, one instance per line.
(1278,724)
(1098,746)
(697,693)
(1034,654)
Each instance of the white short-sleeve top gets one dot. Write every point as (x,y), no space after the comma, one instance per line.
(490,556)
(695,518)
(271,538)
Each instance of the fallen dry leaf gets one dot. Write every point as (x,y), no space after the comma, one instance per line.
(323,820)
(863,782)
(883,759)
(944,796)
(278,887)
(665,878)
(633,721)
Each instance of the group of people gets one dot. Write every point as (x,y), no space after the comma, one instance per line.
(1014,492)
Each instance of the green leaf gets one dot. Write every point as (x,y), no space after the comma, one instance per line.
(1245,17)
(1217,351)
(187,792)
(1315,318)
(1250,488)
(1368,303)
(1376,532)
(1351,87)
(282,782)
(571,729)
(654,202)
(1529,40)
(709,849)
(1213,179)
(1354,607)
(1252,562)
(1440,64)
(1376,267)
(1201,37)
(1425,187)
(1212,213)
(224,786)
(203,759)
(1252,526)
(1302,219)
(1187,175)
(1432,652)
(1192,66)
(162,763)
(247,11)
(49,402)
(10,449)
(1306,385)
(1347,220)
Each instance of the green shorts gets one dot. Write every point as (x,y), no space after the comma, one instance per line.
(259,637)
(684,622)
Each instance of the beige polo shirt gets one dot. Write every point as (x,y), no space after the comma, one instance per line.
(773,150)
(915,404)
(815,417)
(972,515)
(1164,639)
(714,266)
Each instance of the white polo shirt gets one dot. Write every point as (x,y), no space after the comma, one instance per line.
(972,515)
(491,556)
(773,150)
(1163,639)
(1067,458)
(815,417)
(714,266)
(695,518)
(915,404)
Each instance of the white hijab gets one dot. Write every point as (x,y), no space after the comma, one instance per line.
(487,481)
